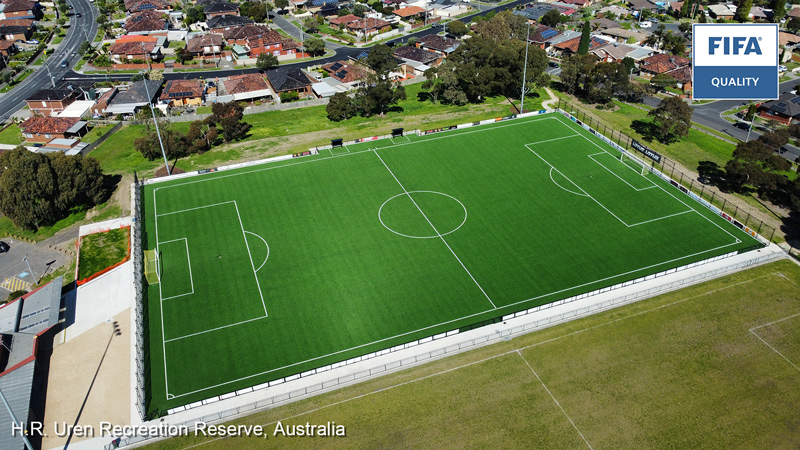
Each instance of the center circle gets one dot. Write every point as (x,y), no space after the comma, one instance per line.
(421,214)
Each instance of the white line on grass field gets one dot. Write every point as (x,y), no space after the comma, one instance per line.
(562,187)
(198,207)
(620,178)
(554,399)
(188,262)
(214,329)
(161,304)
(434,228)
(252,266)
(265,243)
(422,139)
(753,331)
(499,355)
(660,187)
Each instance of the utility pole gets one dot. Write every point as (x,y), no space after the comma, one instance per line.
(33,275)
(155,121)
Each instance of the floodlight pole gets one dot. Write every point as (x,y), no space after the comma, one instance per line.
(525,69)
(33,275)
(158,132)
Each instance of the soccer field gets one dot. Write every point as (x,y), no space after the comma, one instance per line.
(272,270)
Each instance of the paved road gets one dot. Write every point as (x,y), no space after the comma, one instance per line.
(81,29)
(41,260)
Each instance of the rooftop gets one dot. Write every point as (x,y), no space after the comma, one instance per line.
(48,125)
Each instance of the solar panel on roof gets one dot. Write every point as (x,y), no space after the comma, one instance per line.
(549,33)
(361,55)
(341,74)
(336,67)
(796,100)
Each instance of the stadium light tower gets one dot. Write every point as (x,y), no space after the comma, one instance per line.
(155,121)
(525,69)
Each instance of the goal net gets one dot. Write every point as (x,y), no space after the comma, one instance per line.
(151,267)
(634,163)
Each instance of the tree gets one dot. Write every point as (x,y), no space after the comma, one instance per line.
(39,189)
(193,14)
(312,24)
(101,20)
(673,117)
(145,113)
(84,48)
(184,55)
(458,28)
(685,27)
(381,59)
(378,95)
(686,9)
(314,45)
(663,80)
(281,4)
(267,61)
(583,47)
(629,64)
(149,146)
(268,7)
(743,10)
(778,10)
(793,25)
(702,18)
(751,111)
(257,12)
(610,16)
(156,75)
(341,107)
(359,10)
(6,77)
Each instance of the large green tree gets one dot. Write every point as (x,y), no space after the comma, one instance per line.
(341,107)
(778,10)
(267,61)
(551,18)
(381,59)
(586,39)
(40,189)
(743,10)
(672,117)
(314,45)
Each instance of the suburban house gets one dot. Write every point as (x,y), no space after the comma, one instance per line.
(570,47)
(27,23)
(15,33)
(275,45)
(623,35)
(410,13)
(221,9)
(146,21)
(661,63)
(683,77)
(292,79)
(209,44)
(19,9)
(603,24)
(439,44)
(541,35)
(225,22)
(28,326)
(103,101)
(7,48)
(129,101)
(239,35)
(341,22)
(323,7)
(125,51)
(578,3)
(721,11)
(44,129)
(419,55)
(183,93)
(676,7)
(639,5)
(395,4)
(369,26)
(49,102)
(249,86)
(146,5)
(785,110)
(534,11)
(612,52)
(346,72)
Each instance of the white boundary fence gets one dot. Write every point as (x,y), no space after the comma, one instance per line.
(538,324)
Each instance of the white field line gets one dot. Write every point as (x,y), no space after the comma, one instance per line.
(753,331)
(562,187)
(189,262)
(161,303)
(434,229)
(422,139)
(213,329)
(265,243)
(620,178)
(556,401)
(192,209)
(252,265)
(664,190)
(489,358)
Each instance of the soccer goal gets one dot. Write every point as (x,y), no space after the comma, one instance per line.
(634,163)
(151,267)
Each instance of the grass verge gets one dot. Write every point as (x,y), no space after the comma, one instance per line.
(99,251)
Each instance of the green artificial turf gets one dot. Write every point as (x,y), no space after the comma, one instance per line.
(273,270)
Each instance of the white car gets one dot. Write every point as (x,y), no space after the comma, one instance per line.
(645,24)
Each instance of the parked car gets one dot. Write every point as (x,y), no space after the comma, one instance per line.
(743,125)
(552,64)
(32,42)
(4,247)
(782,69)
(645,24)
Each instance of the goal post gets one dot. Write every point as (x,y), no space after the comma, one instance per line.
(634,163)
(151,267)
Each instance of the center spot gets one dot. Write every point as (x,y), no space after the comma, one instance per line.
(402,216)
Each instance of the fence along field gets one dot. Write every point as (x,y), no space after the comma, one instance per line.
(270,271)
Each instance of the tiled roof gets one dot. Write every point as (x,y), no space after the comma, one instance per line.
(221,7)
(439,43)
(246,31)
(416,54)
(542,33)
(196,44)
(573,44)
(48,125)
(535,11)
(132,48)
(18,5)
(182,89)
(604,23)
(146,21)
(344,19)
(227,20)
(616,51)
(137,92)
(9,30)
(785,38)
(409,11)
(287,79)
(106,95)
(788,104)
(16,22)
(682,74)
(53,95)
(144,5)
(638,5)
(249,82)
(371,24)
(345,71)
(662,63)
(5,45)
